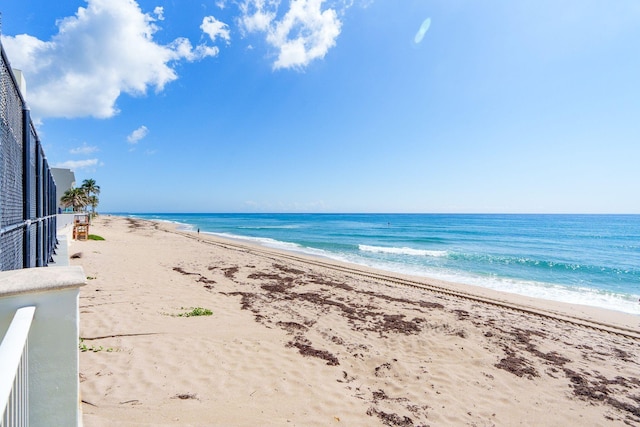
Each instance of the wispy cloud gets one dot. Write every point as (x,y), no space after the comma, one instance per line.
(77,164)
(257,15)
(138,134)
(84,149)
(105,49)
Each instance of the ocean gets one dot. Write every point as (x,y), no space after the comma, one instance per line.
(582,259)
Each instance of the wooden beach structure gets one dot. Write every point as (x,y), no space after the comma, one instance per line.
(81,227)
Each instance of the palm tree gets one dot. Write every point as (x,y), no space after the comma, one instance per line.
(75,197)
(89,185)
(93,202)
(91,190)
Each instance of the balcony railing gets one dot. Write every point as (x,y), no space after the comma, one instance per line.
(39,364)
(14,376)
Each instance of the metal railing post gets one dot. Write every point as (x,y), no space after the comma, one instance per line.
(40,231)
(26,176)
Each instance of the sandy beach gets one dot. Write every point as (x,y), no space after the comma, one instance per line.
(297,341)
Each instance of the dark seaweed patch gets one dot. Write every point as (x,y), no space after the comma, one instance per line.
(291,327)
(307,350)
(390,419)
(518,366)
(395,323)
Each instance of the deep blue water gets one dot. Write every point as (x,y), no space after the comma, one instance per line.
(582,259)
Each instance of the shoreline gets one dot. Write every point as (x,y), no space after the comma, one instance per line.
(623,319)
(599,315)
(548,291)
(295,340)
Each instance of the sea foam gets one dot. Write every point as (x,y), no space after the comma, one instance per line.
(402,251)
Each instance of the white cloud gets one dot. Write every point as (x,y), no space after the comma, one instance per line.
(77,164)
(138,134)
(306,32)
(84,149)
(159,12)
(257,15)
(184,48)
(102,51)
(214,29)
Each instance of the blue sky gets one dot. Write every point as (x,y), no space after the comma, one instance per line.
(337,106)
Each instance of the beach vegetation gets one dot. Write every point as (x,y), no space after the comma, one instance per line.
(95,237)
(196,311)
(84,348)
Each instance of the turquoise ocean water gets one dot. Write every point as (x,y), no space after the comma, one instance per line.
(581,259)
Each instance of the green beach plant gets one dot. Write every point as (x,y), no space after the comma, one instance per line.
(84,348)
(196,311)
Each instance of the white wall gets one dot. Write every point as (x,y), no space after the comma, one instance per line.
(65,179)
(64,221)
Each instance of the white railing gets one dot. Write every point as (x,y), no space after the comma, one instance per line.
(14,375)
(50,368)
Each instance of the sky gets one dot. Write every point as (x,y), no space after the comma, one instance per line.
(431,106)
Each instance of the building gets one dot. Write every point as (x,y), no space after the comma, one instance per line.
(65,180)
(21,81)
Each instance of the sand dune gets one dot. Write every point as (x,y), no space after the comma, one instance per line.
(294,342)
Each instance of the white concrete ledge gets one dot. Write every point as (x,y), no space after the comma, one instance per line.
(41,279)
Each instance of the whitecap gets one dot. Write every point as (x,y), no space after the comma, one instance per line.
(402,251)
